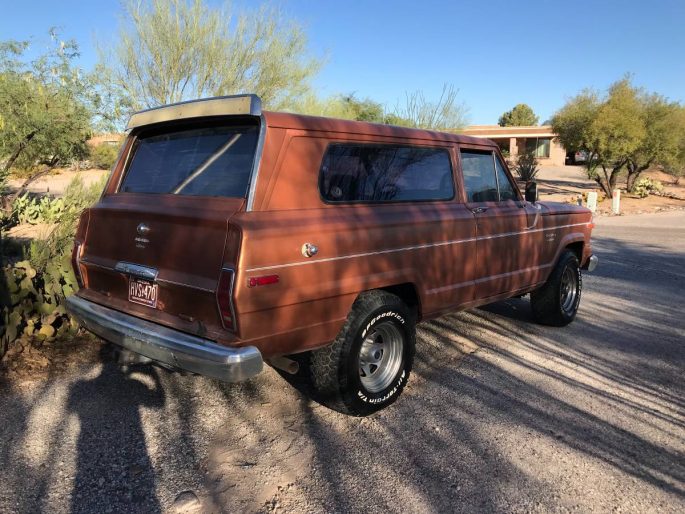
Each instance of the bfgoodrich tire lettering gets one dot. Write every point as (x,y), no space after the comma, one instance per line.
(368,364)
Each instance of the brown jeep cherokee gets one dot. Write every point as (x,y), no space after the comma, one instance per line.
(227,235)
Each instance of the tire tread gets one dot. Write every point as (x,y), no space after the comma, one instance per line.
(327,376)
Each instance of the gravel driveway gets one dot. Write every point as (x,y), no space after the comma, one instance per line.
(500,415)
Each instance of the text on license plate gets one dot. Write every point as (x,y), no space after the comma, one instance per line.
(142,292)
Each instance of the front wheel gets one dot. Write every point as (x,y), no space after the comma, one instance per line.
(368,364)
(556,302)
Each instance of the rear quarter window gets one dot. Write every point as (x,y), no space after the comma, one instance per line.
(200,161)
(385,173)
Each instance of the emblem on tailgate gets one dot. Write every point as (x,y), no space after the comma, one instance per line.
(142,230)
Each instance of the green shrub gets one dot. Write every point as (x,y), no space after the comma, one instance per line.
(646,186)
(33,298)
(104,155)
(77,197)
(26,209)
(34,302)
(526,166)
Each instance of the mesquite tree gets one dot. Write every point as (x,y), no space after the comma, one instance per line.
(627,130)
(45,113)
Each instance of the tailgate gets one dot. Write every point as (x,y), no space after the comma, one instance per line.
(156,246)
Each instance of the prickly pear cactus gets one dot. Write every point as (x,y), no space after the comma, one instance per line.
(26,209)
(35,302)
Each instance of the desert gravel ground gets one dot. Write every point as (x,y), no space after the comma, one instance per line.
(500,415)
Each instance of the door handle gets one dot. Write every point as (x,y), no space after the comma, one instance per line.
(479,210)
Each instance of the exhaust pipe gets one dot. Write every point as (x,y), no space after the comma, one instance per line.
(284,364)
(126,357)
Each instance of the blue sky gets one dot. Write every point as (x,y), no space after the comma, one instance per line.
(497,53)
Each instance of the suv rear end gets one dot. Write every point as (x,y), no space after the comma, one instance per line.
(156,256)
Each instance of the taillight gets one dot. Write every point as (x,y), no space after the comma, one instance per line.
(76,262)
(77,251)
(224,298)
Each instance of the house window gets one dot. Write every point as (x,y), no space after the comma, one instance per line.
(538,146)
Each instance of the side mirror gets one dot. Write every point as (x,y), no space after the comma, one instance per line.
(531,192)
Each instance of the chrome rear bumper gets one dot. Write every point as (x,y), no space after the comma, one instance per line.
(165,345)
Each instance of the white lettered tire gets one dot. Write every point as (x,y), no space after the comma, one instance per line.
(367,366)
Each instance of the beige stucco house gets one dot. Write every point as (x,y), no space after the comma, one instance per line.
(516,140)
(112,139)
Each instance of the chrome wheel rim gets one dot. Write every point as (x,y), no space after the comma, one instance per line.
(380,356)
(569,290)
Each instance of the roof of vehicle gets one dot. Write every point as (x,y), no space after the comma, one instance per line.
(304,122)
(251,105)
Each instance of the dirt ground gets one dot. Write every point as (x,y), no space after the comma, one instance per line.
(57,182)
(567,183)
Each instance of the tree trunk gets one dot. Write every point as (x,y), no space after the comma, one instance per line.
(8,200)
(614,177)
(18,151)
(604,181)
(35,177)
(630,182)
(634,174)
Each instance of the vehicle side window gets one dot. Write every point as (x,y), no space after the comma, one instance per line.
(385,173)
(506,188)
(480,181)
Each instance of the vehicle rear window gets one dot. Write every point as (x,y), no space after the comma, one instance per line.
(385,173)
(208,161)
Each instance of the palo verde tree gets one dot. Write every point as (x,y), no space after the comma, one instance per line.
(445,113)
(173,50)
(44,106)
(520,115)
(627,130)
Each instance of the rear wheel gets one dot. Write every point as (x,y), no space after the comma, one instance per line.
(556,302)
(368,364)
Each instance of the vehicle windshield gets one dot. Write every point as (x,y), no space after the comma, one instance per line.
(208,161)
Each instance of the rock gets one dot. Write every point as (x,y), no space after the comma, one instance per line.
(186,503)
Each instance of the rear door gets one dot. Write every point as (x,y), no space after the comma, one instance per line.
(156,244)
(505,245)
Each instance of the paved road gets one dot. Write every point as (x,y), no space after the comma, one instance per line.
(500,415)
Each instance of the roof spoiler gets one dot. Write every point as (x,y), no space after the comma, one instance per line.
(250,105)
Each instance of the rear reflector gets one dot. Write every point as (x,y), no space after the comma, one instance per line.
(264,280)
(224,298)
(76,263)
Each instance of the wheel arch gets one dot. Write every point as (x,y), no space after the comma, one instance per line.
(577,248)
(409,294)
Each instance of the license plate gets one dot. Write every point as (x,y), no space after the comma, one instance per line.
(142,292)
